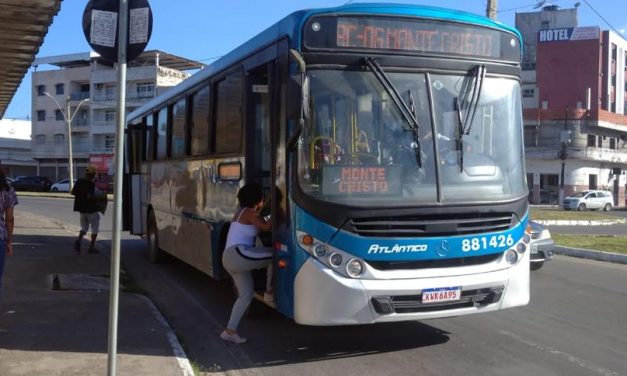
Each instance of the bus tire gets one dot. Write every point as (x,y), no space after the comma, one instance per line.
(155,254)
(536,265)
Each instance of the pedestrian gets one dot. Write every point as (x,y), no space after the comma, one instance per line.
(8,200)
(86,198)
(241,256)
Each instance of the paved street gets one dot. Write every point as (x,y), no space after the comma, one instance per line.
(574,325)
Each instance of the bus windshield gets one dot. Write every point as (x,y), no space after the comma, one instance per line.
(359,150)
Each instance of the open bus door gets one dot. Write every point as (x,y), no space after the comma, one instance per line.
(135,189)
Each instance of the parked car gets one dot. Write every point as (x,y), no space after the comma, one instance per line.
(32,183)
(61,186)
(589,200)
(541,245)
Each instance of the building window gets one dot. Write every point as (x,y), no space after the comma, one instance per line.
(529,65)
(58,115)
(529,93)
(599,142)
(109,141)
(228,114)
(545,25)
(612,143)
(59,138)
(592,140)
(109,116)
(41,115)
(145,89)
(59,89)
(41,89)
(40,139)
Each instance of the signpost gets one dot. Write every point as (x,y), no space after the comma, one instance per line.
(119,32)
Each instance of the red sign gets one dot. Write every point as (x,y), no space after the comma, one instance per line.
(102,162)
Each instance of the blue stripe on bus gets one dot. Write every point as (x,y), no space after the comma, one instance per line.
(410,249)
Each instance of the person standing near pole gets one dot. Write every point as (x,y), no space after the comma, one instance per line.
(86,198)
(8,200)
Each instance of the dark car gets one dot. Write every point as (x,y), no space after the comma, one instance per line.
(32,183)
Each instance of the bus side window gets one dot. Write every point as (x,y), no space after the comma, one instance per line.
(162,134)
(178,129)
(150,138)
(228,114)
(199,126)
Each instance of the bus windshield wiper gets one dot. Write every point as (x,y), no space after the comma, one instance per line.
(408,115)
(470,95)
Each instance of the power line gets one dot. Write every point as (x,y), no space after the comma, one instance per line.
(604,20)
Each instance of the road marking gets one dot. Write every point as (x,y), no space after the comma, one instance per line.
(177,350)
(569,357)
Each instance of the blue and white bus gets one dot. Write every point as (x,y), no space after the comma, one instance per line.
(389,139)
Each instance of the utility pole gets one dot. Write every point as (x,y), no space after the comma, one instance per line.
(490,10)
(68,117)
(563,155)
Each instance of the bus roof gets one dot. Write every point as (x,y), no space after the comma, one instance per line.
(291,26)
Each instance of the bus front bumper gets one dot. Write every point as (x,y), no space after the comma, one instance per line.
(323,297)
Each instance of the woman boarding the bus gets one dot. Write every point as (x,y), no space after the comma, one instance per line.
(241,256)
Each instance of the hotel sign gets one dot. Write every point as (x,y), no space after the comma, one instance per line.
(568,34)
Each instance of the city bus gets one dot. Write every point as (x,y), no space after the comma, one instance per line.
(388,140)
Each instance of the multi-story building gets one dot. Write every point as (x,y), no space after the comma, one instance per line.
(576,121)
(88,84)
(15,152)
(529,23)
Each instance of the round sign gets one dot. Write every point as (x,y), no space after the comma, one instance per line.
(100,26)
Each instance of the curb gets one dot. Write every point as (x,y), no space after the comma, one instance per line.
(569,222)
(177,350)
(63,195)
(592,255)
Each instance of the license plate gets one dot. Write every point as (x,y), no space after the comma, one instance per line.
(442,294)
(534,248)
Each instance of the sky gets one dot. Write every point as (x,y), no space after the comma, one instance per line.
(205,29)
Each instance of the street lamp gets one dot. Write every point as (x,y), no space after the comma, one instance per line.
(68,120)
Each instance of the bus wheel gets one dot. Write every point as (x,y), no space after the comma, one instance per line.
(536,265)
(155,254)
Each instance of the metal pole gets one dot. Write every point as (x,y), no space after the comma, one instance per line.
(117,192)
(490,10)
(68,120)
(563,155)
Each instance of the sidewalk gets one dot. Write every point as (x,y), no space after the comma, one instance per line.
(54,308)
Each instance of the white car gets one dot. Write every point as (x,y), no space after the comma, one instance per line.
(589,200)
(61,186)
(541,245)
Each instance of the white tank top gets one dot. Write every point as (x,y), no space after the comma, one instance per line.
(241,234)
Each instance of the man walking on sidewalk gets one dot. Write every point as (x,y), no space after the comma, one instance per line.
(86,203)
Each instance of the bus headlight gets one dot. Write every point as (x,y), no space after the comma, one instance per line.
(526,239)
(521,248)
(319,250)
(335,259)
(511,257)
(354,268)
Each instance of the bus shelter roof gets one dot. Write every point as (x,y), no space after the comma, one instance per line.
(23,26)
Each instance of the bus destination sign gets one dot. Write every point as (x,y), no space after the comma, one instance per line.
(418,36)
(361,180)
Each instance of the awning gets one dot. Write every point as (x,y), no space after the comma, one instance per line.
(23,26)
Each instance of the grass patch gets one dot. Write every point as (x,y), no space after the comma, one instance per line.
(200,370)
(606,243)
(561,214)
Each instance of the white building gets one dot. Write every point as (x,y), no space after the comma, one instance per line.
(15,148)
(88,83)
